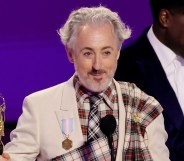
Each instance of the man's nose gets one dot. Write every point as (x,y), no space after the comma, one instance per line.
(97,62)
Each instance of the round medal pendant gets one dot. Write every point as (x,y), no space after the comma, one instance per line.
(67,144)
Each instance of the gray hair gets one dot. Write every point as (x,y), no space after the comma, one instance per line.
(93,15)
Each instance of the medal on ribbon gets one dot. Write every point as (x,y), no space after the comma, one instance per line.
(67,126)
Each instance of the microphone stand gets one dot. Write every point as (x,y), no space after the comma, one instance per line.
(111,146)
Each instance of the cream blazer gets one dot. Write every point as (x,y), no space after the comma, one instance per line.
(38,133)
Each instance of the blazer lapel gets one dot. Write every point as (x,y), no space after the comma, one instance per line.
(68,110)
(121,123)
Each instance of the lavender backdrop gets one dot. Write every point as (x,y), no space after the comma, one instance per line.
(31,55)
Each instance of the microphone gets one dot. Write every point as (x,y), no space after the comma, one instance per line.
(108,126)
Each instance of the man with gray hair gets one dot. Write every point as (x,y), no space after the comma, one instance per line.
(76,120)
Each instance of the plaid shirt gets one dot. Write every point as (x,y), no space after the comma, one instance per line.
(108,105)
(141,110)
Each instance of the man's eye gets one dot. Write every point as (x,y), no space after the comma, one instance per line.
(107,53)
(87,53)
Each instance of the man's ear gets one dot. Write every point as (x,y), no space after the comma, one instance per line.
(164,17)
(69,54)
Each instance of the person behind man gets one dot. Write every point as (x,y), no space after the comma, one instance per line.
(155,63)
(59,123)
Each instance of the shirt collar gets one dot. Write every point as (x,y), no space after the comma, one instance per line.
(109,95)
(165,55)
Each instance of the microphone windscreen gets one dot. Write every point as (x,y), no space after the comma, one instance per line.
(108,125)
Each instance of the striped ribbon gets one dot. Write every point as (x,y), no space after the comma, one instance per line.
(67,126)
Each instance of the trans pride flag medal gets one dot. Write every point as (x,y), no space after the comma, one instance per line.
(67,126)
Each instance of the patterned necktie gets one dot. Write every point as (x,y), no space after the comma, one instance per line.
(94,131)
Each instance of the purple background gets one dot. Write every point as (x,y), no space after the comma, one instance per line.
(31,54)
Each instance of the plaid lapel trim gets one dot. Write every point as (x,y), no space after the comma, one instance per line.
(91,152)
(141,110)
(97,150)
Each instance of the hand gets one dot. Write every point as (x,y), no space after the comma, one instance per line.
(5,157)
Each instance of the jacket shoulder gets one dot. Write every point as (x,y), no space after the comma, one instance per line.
(48,92)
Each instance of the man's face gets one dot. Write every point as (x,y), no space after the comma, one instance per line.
(175,33)
(95,54)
